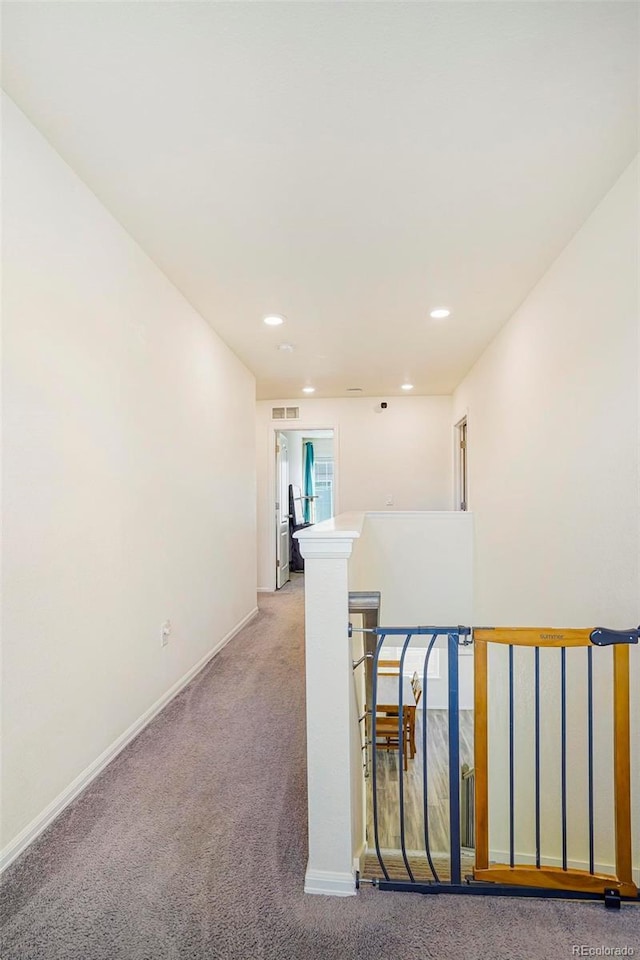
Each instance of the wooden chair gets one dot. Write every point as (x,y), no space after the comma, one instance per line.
(387,735)
(416,686)
(388,668)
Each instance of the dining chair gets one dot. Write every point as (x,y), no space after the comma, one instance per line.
(416,686)
(388,668)
(387,735)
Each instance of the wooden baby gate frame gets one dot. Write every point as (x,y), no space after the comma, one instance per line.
(539,875)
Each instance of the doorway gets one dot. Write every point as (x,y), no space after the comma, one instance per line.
(305,491)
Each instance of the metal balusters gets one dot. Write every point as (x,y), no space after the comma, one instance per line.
(481,752)
(408,634)
(401,750)
(374,754)
(425,765)
(454,761)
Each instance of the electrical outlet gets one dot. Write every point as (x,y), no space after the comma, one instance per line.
(165,633)
(389,500)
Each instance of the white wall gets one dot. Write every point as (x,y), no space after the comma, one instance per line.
(552,411)
(129,493)
(422,564)
(404,451)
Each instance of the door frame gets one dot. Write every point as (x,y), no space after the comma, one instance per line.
(280,509)
(273,430)
(460,463)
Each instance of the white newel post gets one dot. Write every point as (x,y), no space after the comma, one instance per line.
(326,548)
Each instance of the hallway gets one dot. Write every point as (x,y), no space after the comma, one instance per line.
(191,845)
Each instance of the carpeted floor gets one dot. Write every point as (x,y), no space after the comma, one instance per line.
(191,846)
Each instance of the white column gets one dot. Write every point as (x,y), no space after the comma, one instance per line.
(333,790)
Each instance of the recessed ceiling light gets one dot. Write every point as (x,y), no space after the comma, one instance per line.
(286,347)
(407,386)
(273,320)
(308,389)
(440,313)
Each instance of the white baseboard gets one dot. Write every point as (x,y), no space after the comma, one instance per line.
(359,857)
(20,843)
(329,884)
(502,856)
(265,590)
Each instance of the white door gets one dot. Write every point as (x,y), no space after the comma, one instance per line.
(282,510)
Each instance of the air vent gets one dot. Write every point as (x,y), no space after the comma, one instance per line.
(285,413)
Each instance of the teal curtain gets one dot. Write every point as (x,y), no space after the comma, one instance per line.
(308,480)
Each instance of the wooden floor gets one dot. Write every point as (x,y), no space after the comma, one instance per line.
(389,768)
(420,868)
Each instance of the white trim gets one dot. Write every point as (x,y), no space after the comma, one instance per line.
(265,590)
(20,843)
(449,514)
(331,539)
(343,525)
(329,884)
(325,549)
(457,487)
(502,856)
(360,857)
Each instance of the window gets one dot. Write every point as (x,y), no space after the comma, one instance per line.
(414,660)
(323,482)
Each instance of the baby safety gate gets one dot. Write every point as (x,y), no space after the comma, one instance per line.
(549,687)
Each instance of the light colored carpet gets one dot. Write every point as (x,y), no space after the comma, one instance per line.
(191,846)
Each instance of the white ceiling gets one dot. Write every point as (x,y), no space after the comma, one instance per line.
(348,165)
